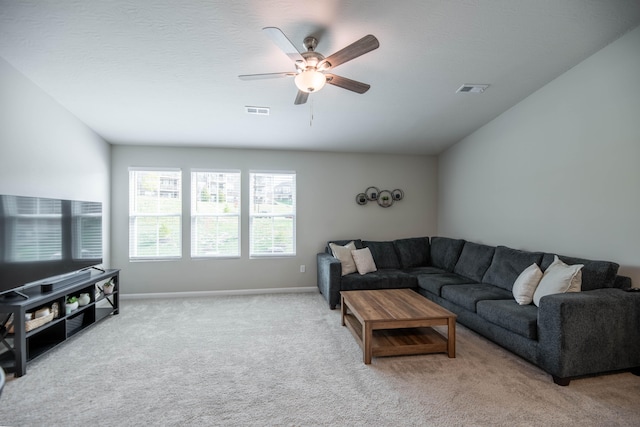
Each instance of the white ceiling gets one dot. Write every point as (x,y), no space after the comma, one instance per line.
(165,72)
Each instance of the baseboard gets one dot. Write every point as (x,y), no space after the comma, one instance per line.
(174,295)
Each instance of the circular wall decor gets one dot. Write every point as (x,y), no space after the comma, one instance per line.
(372,193)
(385,198)
(361,199)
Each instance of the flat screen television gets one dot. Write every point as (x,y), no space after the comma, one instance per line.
(44,240)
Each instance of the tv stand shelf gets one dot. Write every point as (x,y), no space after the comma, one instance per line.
(19,346)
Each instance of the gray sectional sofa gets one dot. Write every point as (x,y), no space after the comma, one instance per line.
(568,335)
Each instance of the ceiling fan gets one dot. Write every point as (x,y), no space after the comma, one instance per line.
(310,73)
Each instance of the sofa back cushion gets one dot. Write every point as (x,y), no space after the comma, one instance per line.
(384,254)
(622,282)
(595,274)
(445,252)
(474,261)
(507,265)
(413,252)
(357,242)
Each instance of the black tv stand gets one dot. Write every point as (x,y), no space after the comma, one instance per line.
(21,346)
(96,268)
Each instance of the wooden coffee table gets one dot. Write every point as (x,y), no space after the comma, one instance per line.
(393,322)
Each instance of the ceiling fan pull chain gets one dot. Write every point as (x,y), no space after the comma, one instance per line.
(311,113)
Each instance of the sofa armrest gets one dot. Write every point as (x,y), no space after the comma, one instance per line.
(329,278)
(582,333)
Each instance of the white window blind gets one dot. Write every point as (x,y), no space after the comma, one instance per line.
(215,213)
(272,214)
(155,213)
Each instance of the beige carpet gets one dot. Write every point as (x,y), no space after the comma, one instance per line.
(285,360)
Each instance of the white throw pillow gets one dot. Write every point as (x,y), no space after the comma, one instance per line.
(559,278)
(364,261)
(343,253)
(526,284)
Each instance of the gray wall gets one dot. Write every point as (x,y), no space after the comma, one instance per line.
(327,184)
(560,170)
(45,151)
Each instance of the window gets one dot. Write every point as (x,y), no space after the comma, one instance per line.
(155,213)
(272,213)
(215,213)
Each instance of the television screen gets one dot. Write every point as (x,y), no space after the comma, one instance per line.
(41,239)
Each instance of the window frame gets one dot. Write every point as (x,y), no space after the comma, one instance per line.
(253,215)
(194,214)
(133,215)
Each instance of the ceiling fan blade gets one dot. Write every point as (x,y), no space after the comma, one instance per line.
(265,76)
(355,49)
(301,98)
(346,83)
(278,37)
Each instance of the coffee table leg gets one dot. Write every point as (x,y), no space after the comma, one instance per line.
(367,337)
(343,309)
(451,339)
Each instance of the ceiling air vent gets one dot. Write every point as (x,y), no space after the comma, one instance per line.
(261,111)
(469,88)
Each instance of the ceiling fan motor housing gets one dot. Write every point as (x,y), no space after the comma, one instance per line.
(312,59)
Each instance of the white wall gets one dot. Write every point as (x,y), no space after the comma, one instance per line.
(558,172)
(327,184)
(45,151)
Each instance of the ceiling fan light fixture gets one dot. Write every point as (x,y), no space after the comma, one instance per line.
(310,81)
(310,66)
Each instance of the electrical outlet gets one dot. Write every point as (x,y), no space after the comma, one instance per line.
(303,268)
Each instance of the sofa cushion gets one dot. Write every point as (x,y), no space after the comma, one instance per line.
(595,274)
(467,296)
(623,282)
(474,261)
(416,271)
(384,254)
(433,282)
(445,252)
(413,252)
(507,264)
(343,253)
(526,284)
(521,319)
(364,261)
(381,279)
(558,279)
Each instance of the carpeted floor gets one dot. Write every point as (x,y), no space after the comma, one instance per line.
(284,360)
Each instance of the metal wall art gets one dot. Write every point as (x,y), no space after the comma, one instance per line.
(384,198)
